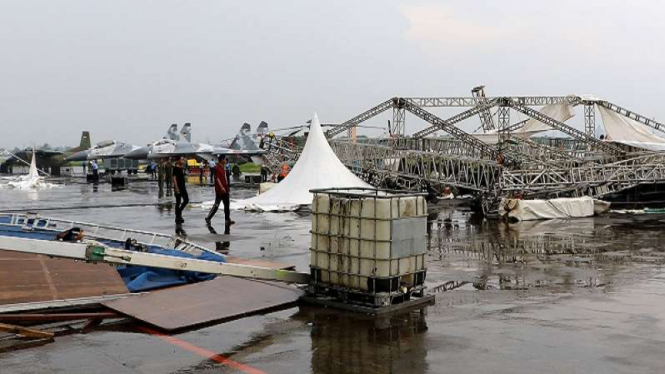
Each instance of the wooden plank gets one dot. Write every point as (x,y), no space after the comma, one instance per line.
(36,317)
(30,333)
(260,263)
(34,278)
(62,304)
(219,300)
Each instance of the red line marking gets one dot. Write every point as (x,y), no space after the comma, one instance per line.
(202,351)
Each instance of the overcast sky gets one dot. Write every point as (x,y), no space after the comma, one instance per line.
(128,69)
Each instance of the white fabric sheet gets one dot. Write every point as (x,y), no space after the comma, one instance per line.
(528,210)
(30,181)
(624,130)
(559,112)
(317,167)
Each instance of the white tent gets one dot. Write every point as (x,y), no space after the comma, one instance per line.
(317,167)
(624,130)
(32,180)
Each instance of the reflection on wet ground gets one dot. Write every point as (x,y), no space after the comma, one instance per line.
(578,296)
(557,254)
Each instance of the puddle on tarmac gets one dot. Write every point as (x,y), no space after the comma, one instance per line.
(465,252)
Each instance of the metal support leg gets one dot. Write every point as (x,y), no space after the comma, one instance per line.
(590,119)
(398,125)
(504,123)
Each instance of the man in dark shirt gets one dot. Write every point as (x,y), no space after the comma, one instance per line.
(179,189)
(222,191)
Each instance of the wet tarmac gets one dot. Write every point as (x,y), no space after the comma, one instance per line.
(579,296)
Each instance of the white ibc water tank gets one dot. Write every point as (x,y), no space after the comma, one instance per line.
(359,236)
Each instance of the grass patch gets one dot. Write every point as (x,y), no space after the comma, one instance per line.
(250,167)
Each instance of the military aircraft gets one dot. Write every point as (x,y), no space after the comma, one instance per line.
(172,146)
(50,159)
(102,150)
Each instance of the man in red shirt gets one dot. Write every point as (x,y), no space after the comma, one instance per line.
(222,192)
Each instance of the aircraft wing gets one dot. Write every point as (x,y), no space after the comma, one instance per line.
(47,153)
(238,152)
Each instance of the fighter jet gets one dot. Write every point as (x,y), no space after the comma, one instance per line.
(102,150)
(171,146)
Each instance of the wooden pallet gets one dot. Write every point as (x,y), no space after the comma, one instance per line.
(330,302)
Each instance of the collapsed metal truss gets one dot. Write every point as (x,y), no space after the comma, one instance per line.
(582,165)
(572,132)
(486,120)
(591,180)
(414,169)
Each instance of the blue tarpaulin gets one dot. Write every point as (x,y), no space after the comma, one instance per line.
(142,278)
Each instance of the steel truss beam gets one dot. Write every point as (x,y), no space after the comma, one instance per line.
(361,118)
(437,102)
(590,119)
(595,143)
(398,125)
(447,125)
(504,124)
(448,102)
(485,116)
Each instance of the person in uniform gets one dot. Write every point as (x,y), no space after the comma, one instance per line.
(168,173)
(95,171)
(180,189)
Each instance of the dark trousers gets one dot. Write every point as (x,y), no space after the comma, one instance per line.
(219,199)
(181,201)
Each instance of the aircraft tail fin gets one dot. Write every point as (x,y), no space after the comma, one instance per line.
(262,129)
(186,132)
(172,133)
(85,140)
(238,141)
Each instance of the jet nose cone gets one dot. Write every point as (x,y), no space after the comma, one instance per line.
(137,154)
(78,156)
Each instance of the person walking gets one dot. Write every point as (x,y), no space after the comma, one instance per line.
(228,170)
(222,192)
(160,176)
(168,173)
(153,170)
(179,189)
(202,166)
(95,171)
